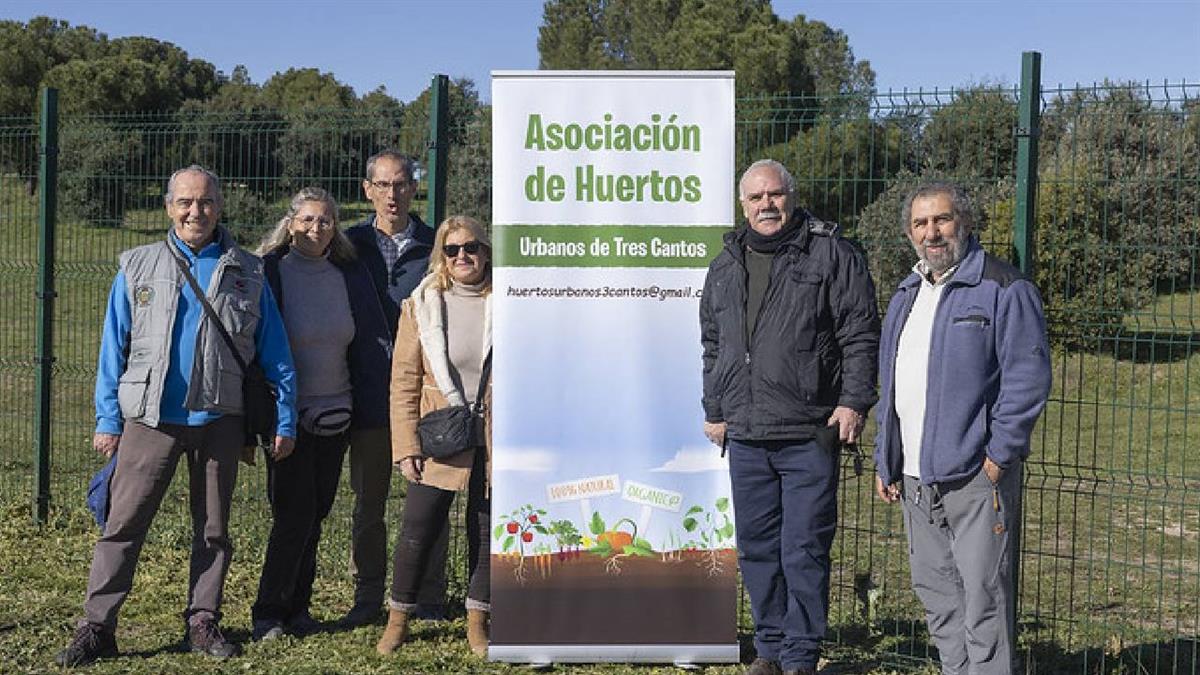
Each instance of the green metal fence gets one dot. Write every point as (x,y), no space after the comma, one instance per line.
(1095,191)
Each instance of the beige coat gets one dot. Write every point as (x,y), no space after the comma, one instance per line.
(421,383)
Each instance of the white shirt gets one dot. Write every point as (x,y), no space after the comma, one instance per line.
(912,368)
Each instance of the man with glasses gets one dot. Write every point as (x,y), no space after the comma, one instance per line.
(395,245)
(168,385)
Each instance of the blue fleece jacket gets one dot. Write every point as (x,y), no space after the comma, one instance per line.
(988,377)
(270,340)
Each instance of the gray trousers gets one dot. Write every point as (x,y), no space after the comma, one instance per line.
(370,479)
(146,461)
(961,537)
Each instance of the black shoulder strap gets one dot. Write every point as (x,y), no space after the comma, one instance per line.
(208,309)
(483,378)
(271,272)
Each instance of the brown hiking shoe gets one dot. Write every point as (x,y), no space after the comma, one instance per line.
(204,637)
(394,634)
(477,631)
(91,641)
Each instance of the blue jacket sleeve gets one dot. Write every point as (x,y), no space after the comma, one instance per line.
(1024,359)
(114,348)
(275,356)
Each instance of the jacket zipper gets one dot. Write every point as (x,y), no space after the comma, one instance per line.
(772,286)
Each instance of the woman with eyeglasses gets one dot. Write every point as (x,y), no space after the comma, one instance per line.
(339,341)
(443,345)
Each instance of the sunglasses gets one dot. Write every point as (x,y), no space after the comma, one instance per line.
(451,250)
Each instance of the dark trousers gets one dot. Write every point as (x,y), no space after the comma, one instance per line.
(785,510)
(370,478)
(146,461)
(426,514)
(301,488)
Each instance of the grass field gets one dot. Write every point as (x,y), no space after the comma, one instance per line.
(45,572)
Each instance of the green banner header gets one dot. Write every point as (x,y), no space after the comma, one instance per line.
(681,246)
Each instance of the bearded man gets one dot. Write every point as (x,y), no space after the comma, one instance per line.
(964,373)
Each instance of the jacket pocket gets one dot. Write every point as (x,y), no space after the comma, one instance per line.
(131,391)
(806,366)
(227,389)
(972,321)
(242,317)
(829,438)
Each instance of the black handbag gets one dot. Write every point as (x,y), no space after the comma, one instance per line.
(258,394)
(445,432)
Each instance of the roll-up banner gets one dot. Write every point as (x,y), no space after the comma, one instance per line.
(612,526)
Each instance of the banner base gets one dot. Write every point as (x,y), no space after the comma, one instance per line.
(676,654)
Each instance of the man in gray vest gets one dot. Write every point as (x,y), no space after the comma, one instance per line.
(167,385)
(965,371)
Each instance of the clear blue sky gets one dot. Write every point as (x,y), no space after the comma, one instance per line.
(401,43)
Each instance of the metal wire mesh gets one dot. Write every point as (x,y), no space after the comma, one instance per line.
(1110,555)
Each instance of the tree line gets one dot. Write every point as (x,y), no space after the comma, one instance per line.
(133,109)
(1118,216)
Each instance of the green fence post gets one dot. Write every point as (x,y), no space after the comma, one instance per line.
(435,208)
(47,206)
(1024,224)
(1029,112)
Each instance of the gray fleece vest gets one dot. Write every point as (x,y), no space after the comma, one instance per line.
(153,283)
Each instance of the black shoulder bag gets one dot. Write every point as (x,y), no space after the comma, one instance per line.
(258,394)
(448,431)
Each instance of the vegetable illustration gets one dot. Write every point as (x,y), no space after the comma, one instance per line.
(567,537)
(616,539)
(713,537)
(616,544)
(672,551)
(518,528)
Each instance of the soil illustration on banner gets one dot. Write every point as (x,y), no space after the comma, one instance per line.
(620,583)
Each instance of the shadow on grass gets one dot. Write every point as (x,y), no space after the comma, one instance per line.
(1148,346)
(1177,656)
(169,648)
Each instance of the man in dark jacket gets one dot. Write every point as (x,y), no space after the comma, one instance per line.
(790,332)
(395,246)
(965,371)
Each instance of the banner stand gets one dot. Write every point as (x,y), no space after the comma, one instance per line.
(612,525)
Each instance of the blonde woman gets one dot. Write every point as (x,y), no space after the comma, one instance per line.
(442,343)
(339,341)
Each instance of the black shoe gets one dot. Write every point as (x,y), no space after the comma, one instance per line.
(204,637)
(92,641)
(301,625)
(266,629)
(800,671)
(361,614)
(764,667)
